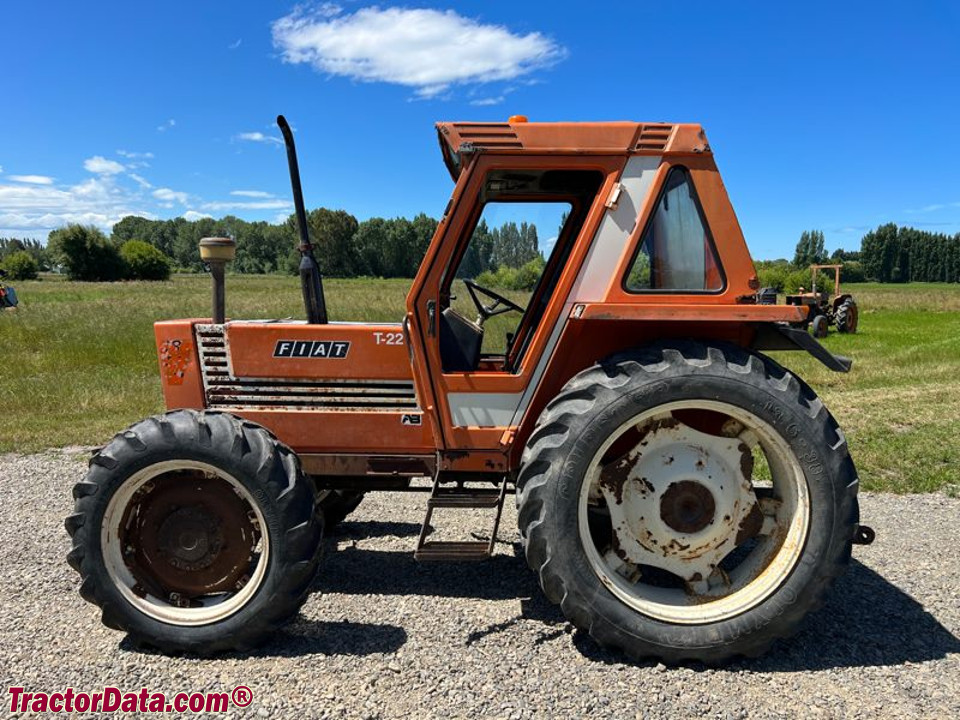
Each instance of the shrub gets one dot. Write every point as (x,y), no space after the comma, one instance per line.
(774,276)
(852,272)
(144,262)
(86,254)
(511,278)
(20,265)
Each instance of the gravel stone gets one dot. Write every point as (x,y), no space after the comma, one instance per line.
(385,637)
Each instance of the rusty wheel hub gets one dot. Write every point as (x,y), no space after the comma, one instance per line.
(188,535)
(687,506)
(679,498)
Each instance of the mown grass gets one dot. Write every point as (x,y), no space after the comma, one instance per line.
(77,363)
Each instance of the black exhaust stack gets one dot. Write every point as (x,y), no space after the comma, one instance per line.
(310,278)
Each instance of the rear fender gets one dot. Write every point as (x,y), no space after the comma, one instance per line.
(780,336)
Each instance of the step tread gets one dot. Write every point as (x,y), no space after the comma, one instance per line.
(446,550)
(467,499)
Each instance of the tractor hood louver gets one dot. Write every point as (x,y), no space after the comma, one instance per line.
(223,390)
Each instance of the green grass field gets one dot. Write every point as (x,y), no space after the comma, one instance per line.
(78,364)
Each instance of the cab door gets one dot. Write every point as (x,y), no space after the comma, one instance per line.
(519,227)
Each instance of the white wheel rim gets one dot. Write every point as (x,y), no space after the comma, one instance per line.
(214,608)
(760,573)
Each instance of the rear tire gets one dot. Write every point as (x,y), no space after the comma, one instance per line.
(848,316)
(559,464)
(195,532)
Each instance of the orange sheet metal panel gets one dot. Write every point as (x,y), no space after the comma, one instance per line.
(180,375)
(344,431)
(333,351)
(581,138)
(687,312)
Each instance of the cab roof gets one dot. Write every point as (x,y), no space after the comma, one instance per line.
(600,138)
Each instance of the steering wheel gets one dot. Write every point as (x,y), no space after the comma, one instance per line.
(499,306)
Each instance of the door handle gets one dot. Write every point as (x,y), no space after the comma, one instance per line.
(431,317)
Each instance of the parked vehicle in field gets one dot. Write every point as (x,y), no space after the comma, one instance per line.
(8,296)
(680,494)
(824,311)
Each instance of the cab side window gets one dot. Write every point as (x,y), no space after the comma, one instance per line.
(676,251)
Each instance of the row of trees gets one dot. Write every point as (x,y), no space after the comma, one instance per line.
(394,247)
(345,247)
(903,254)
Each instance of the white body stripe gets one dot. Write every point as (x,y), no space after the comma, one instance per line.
(611,239)
(482,409)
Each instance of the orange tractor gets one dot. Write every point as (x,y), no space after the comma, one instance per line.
(680,494)
(822,311)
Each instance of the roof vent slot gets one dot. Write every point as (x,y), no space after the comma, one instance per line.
(654,138)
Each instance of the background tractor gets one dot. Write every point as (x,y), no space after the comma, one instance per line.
(680,494)
(824,311)
(8,296)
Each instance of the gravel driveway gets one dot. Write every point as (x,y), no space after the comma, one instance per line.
(385,637)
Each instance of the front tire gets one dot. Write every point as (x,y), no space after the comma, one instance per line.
(645,506)
(820,326)
(195,532)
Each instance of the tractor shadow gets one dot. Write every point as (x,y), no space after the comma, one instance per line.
(304,637)
(866,620)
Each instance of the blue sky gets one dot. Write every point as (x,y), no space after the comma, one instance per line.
(838,116)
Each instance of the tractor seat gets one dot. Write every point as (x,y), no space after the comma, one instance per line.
(460,342)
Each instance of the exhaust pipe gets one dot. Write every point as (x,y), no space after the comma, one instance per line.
(310,279)
(217,252)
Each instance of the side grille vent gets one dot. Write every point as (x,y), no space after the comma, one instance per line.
(488,135)
(654,137)
(224,390)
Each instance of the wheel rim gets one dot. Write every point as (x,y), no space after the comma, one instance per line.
(677,524)
(184,543)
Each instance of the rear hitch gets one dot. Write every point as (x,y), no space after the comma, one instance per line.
(863,535)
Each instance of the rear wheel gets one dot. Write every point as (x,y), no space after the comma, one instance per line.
(195,532)
(687,502)
(848,316)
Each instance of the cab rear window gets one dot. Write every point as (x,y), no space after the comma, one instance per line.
(676,251)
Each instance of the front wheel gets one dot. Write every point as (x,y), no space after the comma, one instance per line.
(687,502)
(195,532)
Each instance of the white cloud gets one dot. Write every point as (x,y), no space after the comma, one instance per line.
(135,155)
(235,44)
(192,215)
(258,137)
(101,166)
(485,102)
(170,196)
(32,179)
(141,181)
(251,193)
(428,50)
(1,169)
(34,210)
(167,125)
(255,205)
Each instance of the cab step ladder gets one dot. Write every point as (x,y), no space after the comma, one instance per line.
(461,497)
